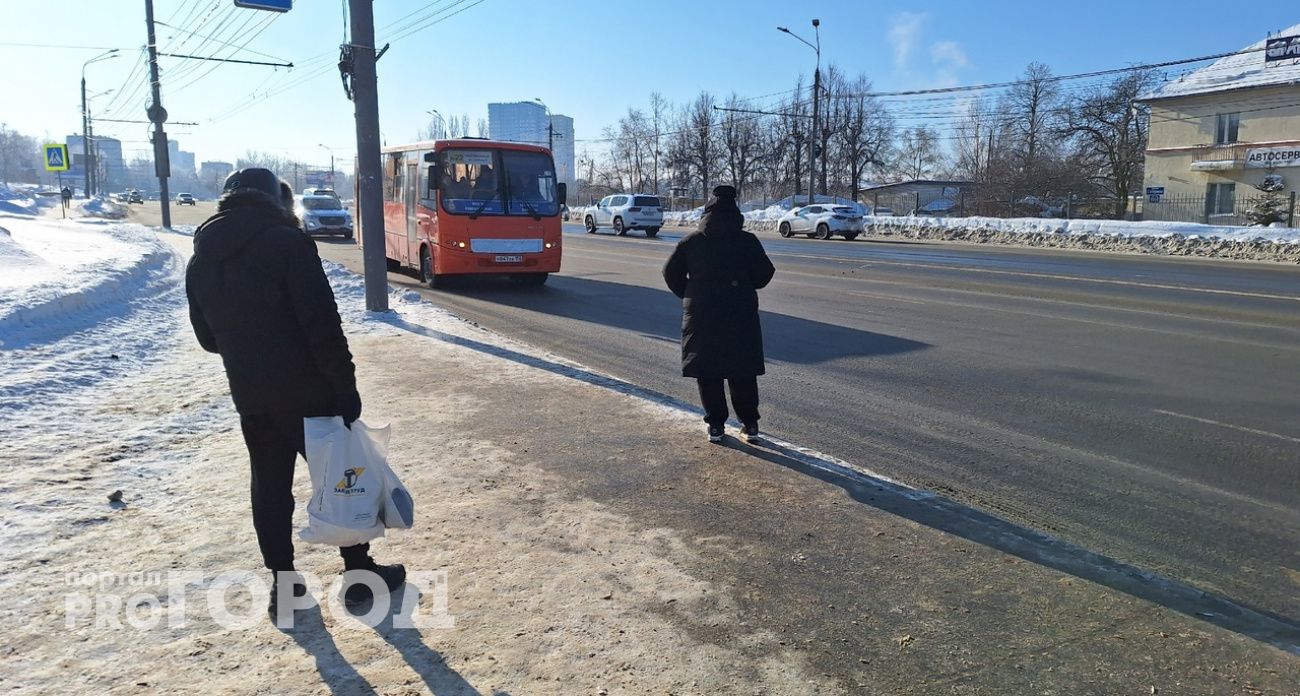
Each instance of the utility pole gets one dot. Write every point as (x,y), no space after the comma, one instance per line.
(370,192)
(158,115)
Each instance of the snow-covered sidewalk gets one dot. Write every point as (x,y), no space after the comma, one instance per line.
(591,543)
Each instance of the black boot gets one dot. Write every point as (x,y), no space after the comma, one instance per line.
(299,590)
(358,593)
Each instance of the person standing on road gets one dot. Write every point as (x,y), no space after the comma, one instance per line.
(717,271)
(259,297)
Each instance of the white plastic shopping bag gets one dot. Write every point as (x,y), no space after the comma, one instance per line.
(349,478)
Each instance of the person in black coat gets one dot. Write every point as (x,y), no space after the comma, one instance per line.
(717,271)
(259,297)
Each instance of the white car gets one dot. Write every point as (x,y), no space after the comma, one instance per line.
(822,222)
(626,211)
(324,215)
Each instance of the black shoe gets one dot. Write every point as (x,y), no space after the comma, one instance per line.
(299,590)
(750,432)
(715,433)
(358,593)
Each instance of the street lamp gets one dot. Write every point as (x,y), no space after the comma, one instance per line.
(85,118)
(331,150)
(817,85)
(550,128)
(442,123)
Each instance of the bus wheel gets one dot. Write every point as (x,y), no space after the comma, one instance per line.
(426,269)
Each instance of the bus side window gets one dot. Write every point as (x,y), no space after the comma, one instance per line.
(399,182)
(392,177)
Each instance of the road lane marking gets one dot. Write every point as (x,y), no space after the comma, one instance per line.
(1053,276)
(1221,424)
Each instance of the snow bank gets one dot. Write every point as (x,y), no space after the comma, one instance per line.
(99,207)
(1150,237)
(56,276)
(15,200)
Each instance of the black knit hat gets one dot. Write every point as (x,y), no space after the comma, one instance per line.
(254,179)
(724,191)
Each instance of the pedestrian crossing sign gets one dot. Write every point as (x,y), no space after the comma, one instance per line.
(56,158)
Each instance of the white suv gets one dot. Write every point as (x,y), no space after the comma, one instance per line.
(626,211)
(822,222)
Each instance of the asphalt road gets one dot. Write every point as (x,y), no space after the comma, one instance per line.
(1145,408)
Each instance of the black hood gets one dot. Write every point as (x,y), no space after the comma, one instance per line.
(240,217)
(721,216)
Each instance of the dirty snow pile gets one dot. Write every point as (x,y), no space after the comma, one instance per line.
(1150,237)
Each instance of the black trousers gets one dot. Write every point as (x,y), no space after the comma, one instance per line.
(744,398)
(274,442)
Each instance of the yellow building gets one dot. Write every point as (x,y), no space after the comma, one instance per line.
(1217,132)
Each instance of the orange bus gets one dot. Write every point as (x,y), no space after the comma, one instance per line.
(472,206)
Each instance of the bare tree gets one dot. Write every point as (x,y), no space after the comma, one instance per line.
(919,155)
(866,131)
(740,137)
(659,108)
(16,154)
(1110,132)
(695,148)
(1033,112)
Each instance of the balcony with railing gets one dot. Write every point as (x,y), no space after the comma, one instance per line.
(1214,158)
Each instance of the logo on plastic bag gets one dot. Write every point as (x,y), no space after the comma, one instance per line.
(348,484)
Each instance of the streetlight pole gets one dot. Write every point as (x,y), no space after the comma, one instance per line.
(817,89)
(85,119)
(331,150)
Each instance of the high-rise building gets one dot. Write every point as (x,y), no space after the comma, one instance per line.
(182,162)
(562,127)
(525,122)
(212,175)
(520,122)
(112,168)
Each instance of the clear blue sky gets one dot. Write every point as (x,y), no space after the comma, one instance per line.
(590,59)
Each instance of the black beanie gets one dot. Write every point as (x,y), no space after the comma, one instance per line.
(724,191)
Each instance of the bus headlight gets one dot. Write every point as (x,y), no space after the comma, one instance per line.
(461,244)
(549,245)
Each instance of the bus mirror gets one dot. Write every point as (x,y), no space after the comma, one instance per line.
(433,177)
(429,157)
(562,191)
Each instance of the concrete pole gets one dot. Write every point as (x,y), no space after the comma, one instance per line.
(370,192)
(162,164)
(85,137)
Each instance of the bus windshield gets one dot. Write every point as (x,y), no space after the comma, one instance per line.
(507,182)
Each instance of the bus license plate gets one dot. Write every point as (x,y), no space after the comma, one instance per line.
(509,259)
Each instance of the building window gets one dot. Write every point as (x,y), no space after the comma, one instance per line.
(1225,128)
(1219,199)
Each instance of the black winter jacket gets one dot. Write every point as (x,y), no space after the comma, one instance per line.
(717,271)
(259,297)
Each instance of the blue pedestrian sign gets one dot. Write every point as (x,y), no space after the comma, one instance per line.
(272,5)
(56,157)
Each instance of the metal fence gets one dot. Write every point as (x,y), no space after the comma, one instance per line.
(1199,209)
